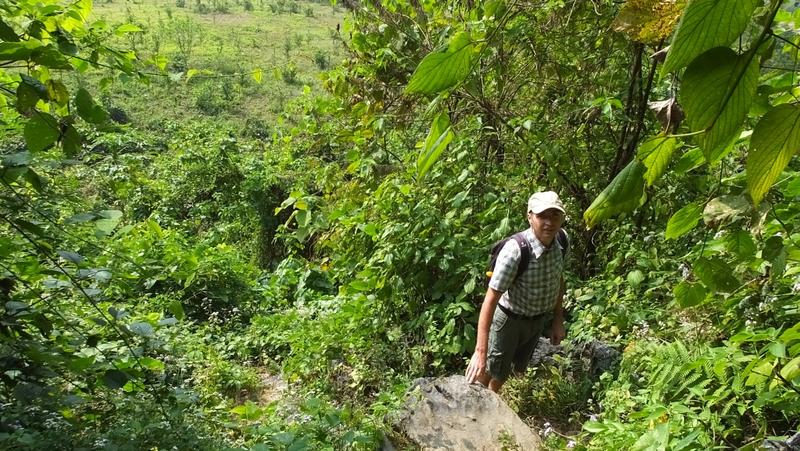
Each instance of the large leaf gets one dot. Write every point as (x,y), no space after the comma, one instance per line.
(623,194)
(725,209)
(648,21)
(715,274)
(718,88)
(683,221)
(741,244)
(707,24)
(656,153)
(41,132)
(441,70)
(689,294)
(88,109)
(775,140)
(438,138)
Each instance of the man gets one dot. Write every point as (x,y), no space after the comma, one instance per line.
(519,308)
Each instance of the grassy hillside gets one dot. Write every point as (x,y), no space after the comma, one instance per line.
(244,60)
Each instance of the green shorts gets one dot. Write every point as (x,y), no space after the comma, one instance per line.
(511,343)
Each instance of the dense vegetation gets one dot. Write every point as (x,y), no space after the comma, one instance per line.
(251,224)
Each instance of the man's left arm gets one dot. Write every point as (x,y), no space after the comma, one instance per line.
(558,332)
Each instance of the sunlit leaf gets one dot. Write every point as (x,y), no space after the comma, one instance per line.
(718,88)
(683,221)
(648,21)
(443,69)
(775,140)
(707,24)
(624,193)
(438,138)
(656,154)
(126,28)
(257,75)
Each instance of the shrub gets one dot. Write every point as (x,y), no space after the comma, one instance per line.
(321,59)
(309,11)
(294,7)
(248,5)
(180,3)
(209,100)
(289,74)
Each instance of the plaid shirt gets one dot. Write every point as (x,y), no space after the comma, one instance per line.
(536,289)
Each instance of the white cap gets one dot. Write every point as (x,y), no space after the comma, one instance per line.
(544,200)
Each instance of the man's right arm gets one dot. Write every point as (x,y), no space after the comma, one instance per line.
(477,365)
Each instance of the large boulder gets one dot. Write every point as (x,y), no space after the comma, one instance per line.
(450,414)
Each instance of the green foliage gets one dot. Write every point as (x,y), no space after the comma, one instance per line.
(775,140)
(623,194)
(693,37)
(444,69)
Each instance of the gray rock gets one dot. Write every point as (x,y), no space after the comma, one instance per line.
(790,444)
(450,414)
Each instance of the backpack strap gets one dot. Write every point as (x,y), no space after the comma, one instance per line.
(525,253)
(563,240)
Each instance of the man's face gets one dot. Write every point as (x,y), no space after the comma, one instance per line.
(546,224)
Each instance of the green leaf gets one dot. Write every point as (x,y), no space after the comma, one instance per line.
(718,88)
(87,108)
(151,363)
(441,70)
(127,28)
(688,294)
(257,75)
(690,160)
(27,97)
(741,244)
(656,153)
(775,140)
(115,379)
(707,24)
(71,141)
(17,51)
(683,221)
(594,427)
(176,308)
(7,33)
(438,138)
(624,193)
(41,132)
(715,274)
(635,278)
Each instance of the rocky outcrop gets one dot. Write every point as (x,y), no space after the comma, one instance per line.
(450,414)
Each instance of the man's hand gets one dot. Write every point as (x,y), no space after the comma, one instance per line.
(557,332)
(477,367)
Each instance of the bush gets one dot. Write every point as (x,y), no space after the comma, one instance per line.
(248,5)
(289,74)
(209,99)
(309,11)
(321,59)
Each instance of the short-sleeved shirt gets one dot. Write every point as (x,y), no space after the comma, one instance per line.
(534,291)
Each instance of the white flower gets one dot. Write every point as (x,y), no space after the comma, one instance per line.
(570,444)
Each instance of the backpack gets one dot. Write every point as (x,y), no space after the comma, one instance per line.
(525,248)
